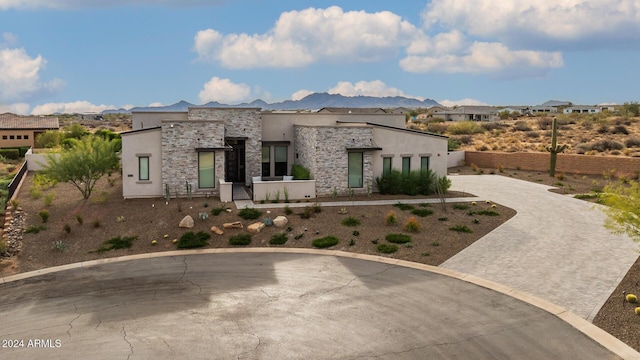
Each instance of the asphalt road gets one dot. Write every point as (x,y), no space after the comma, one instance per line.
(273,306)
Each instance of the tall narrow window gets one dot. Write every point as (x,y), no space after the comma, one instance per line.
(406,165)
(143,168)
(355,170)
(206,169)
(424,163)
(280,160)
(266,161)
(386,166)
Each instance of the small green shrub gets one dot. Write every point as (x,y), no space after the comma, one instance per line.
(444,218)
(422,212)
(278,239)
(80,219)
(426,253)
(240,239)
(35,193)
(424,205)
(350,221)
(58,245)
(387,248)
(412,225)
(300,172)
(249,213)
(398,238)
(355,233)
(306,212)
(34,229)
(461,229)
(299,236)
(117,243)
(66,228)
(391,218)
(44,215)
(316,208)
(461,206)
(191,240)
(48,199)
(325,242)
(435,243)
(218,210)
(287,210)
(488,213)
(404,207)
(96,223)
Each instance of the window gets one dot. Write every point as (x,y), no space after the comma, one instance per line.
(424,163)
(406,165)
(280,160)
(386,166)
(143,168)
(11,137)
(26,137)
(206,169)
(266,161)
(19,137)
(4,137)
(355,170)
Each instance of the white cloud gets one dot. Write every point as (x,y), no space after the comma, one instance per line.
(531,21)
(367,88)
(155,104)
(224,91)
(75,4)
(16,108)
(19,76)
(300,94)
(69,108)
(8,39)
(465,101)
(300,38)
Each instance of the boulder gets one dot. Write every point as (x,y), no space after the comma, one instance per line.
(233,225)
(255,227)
(216,230)
(186,222)
(280,221)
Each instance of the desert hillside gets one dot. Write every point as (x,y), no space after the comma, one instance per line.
(591,134)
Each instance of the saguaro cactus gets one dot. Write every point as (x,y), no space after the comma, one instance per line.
(554,149)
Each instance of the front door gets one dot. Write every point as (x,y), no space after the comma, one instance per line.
(234,160)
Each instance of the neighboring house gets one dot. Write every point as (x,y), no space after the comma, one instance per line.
(468,113)
(90,116)
(209,146)
(17,130)
(542,109)
(582,110)
(340,110)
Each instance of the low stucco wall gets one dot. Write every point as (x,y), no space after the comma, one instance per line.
(226,191)
(455,158)
(36,162)
(297,189)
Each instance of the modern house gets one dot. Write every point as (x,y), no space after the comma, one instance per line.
(17,130)
(467,113)
(212,148)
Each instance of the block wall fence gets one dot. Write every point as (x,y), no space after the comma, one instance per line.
(567,163)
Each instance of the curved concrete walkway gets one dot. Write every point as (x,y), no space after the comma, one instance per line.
(257,304)
(556,247)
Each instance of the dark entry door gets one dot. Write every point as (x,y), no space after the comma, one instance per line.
(234,160)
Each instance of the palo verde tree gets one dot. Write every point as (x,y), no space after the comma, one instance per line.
(84,163)
(623,208)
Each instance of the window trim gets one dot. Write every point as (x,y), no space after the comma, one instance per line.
(140,178)
(213,169)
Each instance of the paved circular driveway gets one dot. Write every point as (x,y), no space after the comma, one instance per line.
(274,306)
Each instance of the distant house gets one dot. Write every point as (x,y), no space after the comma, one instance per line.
(538,109)
(582,110)
(400,110)
(213,147)
(468,113)
(17,130)
(90,116)
(341,110)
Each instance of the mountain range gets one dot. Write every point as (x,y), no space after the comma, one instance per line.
(313,101)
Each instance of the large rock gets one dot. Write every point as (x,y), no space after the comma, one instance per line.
(280,221)
(217,230)
(255,227)
(186,222)
(233,225)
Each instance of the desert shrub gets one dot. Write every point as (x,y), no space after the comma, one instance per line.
(48,199)
(463,139)
(461,228)
(390,183)
(412,225)
(3,246)
(49,139)
(465,128)
(404,207)
(461,206)
(117,243)
(34,229)
(287,210)
(96,223)
(631,298)
(620,129)
(444,184)
(521,126)
(422,212)
(300,172)
(437,127)
(41,181)
(606,144)
(487,213)
(249,213)
(452,145)
(35,193)
(387,248)
(10,154)
(350,221)
(398,238)
(490,126)
(544,123)
(278,239)
(44,215)
(325,242)
(391,218)
(316,208)
(306,212)
(423,182)
(240,239)
(191,240)
(603,129)
(66,228)
(79,219)
(531,134)
(632,142)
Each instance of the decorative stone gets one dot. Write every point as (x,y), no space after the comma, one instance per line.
(186,222)
(280,221)
(255,227)
(233,225)
(216,230)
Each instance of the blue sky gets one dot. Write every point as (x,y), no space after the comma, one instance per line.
(90,55)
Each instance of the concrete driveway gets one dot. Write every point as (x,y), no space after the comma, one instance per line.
(274,306)
(556,247)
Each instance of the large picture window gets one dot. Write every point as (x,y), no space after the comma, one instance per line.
(386,166)
(280,160)
(266,161)
(206,170)
(143,168)
(355,170)
(406,165)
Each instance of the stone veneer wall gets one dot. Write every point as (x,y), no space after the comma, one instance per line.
(238,123)
(179,157)
(323,149)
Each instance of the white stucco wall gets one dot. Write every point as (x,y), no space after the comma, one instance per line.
(142,143)
(151,119)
